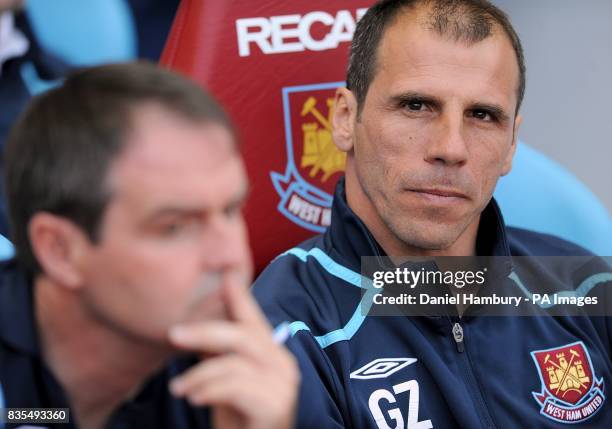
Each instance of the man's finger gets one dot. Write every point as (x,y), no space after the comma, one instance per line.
(268,406)
(242,306)
(242,395)
(209,372)
(216,337)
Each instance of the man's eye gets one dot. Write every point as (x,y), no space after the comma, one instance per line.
(414,106)
(170,229)
(482,115)
(233,211)
(178,228)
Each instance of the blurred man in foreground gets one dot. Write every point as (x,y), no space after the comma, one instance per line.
(125,188)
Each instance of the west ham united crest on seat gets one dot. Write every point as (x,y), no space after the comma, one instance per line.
(313,161)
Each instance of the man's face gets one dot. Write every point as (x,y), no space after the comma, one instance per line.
(172,228)
(436,132)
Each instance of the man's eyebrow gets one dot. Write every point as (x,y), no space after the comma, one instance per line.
(189,210)
(173,211)
(413,96)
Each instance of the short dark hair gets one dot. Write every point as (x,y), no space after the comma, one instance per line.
(468,21)
(59,152)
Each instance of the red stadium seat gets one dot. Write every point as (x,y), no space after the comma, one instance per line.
(274,65)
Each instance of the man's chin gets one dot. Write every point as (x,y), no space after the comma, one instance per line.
(423,239)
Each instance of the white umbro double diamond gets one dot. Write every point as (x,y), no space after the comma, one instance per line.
(382,368)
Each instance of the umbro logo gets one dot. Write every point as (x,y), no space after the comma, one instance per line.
(381,368)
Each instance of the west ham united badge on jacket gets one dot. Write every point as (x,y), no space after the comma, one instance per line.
(571,391)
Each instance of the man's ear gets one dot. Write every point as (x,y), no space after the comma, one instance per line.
(59,246)
(344,119)
(510,155)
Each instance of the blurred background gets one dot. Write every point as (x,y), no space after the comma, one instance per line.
(42,40)
(567,113)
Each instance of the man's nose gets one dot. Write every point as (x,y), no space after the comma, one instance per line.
(447,145)
(225,245)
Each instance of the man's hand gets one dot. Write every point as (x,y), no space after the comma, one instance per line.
(249,380)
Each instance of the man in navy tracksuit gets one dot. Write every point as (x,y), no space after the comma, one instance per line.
(429,122)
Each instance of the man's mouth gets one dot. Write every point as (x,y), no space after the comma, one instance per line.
(441,192)
(440,195)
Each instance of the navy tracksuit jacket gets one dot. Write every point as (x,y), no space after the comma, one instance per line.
(361,371)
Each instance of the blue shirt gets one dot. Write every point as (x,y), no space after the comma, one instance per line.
(363,371)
